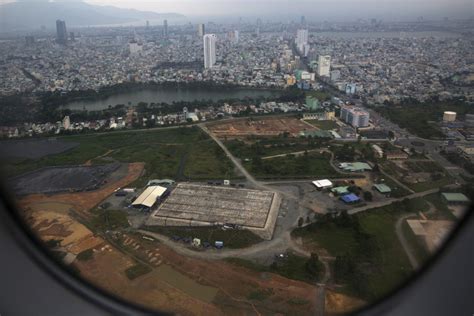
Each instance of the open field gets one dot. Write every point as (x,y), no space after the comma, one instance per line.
(167,153)
(323,124)
(308,165)
(259,127)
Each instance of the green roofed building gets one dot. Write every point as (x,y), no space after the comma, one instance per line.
(355,166)
(382,188)
(455,198)
(342,190)
(312,103)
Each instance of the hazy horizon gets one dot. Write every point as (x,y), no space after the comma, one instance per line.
(286,9)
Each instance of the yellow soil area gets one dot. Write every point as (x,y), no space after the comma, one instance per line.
(337,303)
(262,127)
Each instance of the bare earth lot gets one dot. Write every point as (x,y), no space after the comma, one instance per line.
(260,127)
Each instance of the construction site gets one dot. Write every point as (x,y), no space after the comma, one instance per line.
(260,127)
(204,205)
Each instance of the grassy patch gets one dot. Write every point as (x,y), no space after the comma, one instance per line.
(137,270)
(172,153)
(232,238)
(260,294)
(85,255)
(109,220)
(247,264)
(323,124)
(297,301)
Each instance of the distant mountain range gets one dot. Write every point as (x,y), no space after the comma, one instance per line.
(23,15)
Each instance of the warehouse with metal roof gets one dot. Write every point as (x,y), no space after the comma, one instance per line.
(455,198)
(149,197)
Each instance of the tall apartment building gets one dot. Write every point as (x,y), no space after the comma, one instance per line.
(324,65)
(209,50)
(61,32)
(201,30)
(355,116)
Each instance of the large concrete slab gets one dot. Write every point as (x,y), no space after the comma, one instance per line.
(203,205)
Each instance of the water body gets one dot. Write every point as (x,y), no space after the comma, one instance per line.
(169,95)
(417,34)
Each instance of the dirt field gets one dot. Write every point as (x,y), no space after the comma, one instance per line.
(260,127)
(338,304)
(199,287)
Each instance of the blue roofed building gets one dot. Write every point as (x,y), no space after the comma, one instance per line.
(350,198)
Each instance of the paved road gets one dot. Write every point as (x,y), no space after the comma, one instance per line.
(390,201)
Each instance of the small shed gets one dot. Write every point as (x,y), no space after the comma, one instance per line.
(382,188)
(342,190)
(350,198)
(322,184)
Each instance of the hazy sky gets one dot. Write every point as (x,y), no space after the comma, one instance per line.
(321,9)
(317,8)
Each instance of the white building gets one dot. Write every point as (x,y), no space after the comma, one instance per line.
(449,116)
(324,65)
(355,116)
(66,122)
(302,41)
(209,50)
(134,48)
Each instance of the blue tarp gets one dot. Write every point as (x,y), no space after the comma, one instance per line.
(350,198)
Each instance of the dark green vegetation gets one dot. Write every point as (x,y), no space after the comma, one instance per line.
(179,153)
(137,270)
(324,125)
(370,261)
(260,295)
(291,266)
(429,175)
(310,164)
(109,220)
(232,238)
(85,255)
(420,118)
